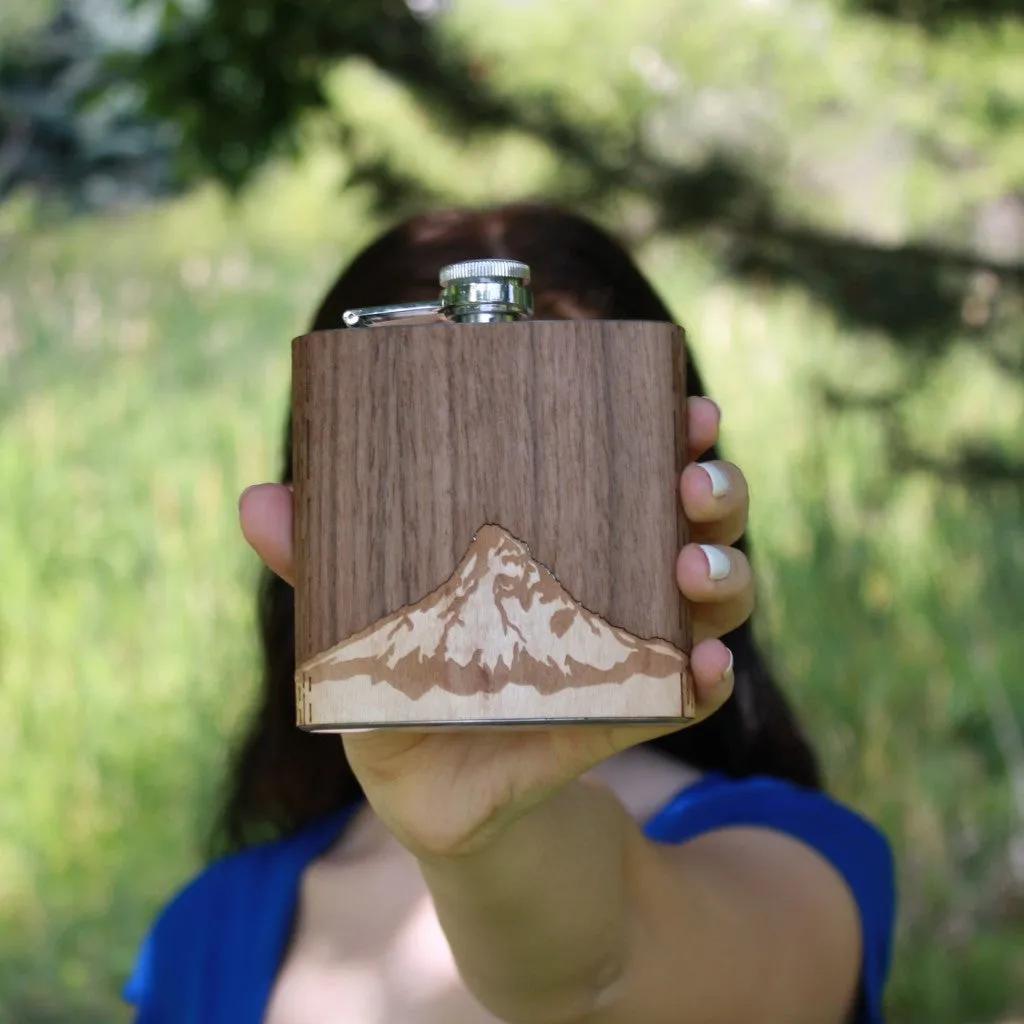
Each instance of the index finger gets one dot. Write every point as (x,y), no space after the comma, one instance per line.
(702,421)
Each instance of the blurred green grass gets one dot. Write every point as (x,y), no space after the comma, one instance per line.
(144,372)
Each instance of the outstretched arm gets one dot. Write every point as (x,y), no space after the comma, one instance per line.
(573,916)
(556,906)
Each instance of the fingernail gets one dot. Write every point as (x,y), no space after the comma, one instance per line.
(718,477)
(727,674)
(719,564)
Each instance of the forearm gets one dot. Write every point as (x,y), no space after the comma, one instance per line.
(573,916)
(539,921)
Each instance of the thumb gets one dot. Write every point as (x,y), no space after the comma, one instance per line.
(265,515)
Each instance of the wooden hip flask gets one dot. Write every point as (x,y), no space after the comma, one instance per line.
(487,515)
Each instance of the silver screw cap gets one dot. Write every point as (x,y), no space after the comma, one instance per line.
(470,270)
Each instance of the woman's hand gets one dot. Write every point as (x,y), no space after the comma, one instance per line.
(447,794)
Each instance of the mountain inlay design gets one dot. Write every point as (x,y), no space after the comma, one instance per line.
(501,618)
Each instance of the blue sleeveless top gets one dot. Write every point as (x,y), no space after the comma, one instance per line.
(214,953)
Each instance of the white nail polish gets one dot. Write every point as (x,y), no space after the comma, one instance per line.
(727,674)
(718,477)
(719,564)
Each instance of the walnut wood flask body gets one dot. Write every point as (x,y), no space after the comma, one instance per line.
(487,522)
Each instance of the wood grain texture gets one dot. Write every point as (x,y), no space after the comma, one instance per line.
(409,442)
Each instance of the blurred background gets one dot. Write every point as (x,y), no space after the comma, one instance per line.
(830,195)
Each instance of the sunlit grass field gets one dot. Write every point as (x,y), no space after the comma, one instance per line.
(144,377)
(145,367)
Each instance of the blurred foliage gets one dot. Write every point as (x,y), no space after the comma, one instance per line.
(70,126)
(771,146)
(940,14)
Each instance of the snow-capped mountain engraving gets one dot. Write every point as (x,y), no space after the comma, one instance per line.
(501,620)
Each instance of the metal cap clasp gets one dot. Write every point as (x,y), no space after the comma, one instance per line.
(472,292)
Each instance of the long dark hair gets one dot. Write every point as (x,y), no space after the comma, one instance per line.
(283,778)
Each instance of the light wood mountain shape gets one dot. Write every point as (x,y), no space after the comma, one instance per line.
(500,639)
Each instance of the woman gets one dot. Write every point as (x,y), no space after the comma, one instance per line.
(629,875)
